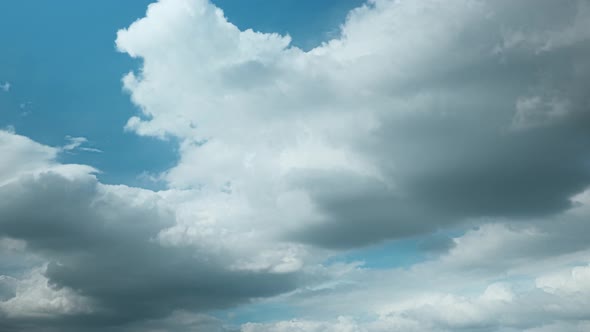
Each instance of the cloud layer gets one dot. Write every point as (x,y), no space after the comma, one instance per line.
(421,117)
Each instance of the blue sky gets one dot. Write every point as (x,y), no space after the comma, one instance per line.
(392,166)
(65,72)
(66,81)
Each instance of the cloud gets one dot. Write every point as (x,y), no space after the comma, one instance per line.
(499,307)
(420,115)
(75,143)
(437,243)
(181,321)
(501,276)
(21,155)
(34,298)
(100,245)
(535,294)
(5,86)
(343,324)
(103,247)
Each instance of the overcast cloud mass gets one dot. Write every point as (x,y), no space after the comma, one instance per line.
(462,125)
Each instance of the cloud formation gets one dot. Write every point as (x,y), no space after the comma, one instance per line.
(104,263)
(420,117)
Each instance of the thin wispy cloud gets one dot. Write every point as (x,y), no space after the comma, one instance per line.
(76,143)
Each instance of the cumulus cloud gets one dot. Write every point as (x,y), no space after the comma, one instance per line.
(32,297)
(104,246)
(418,117)
(22,154)
(498,277)
(5,86)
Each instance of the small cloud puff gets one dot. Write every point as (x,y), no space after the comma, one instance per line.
(5,86)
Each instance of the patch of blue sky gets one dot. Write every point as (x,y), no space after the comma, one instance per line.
(308,22)
(400,253)
(264,311)
(390,254)
(65,76)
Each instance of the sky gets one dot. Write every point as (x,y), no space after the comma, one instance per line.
(305,166)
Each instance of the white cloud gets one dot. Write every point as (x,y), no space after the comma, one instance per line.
(400,125)
(75,143)
(34,297)
(81,231)
(499,277)
(570,281)
(5,86)
(468,305)
(342,324)
(20,154)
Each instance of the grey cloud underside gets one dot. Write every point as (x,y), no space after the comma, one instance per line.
(457,155)
(449,172)
(104,248)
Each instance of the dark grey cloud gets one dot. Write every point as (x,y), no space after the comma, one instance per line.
(103,247)
(436,244)
(478,130)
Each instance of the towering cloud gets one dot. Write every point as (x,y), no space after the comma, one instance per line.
(420,115)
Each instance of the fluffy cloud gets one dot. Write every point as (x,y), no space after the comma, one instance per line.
(420,115)
(104,255)
(537,293)
(32,297)
(524,276)
(21,155)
